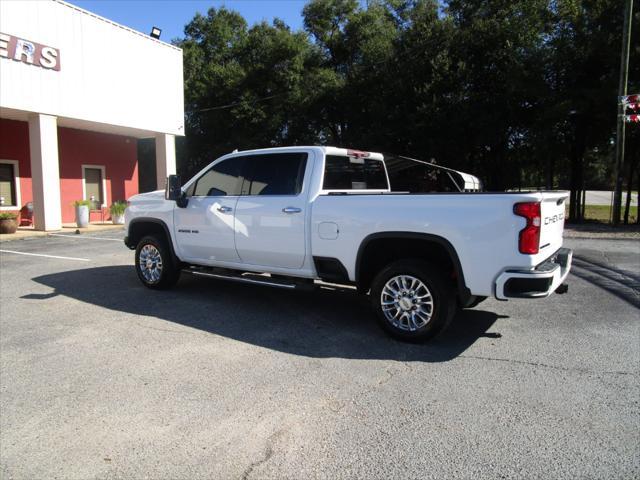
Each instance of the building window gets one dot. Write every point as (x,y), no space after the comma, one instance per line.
(9,185)
(94,185)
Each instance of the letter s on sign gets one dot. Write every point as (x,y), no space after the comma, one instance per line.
(49,58)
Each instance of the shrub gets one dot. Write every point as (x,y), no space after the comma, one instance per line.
(8,216)
(118,207)
(83,203)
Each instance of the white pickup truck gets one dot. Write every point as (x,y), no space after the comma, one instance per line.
(293,216)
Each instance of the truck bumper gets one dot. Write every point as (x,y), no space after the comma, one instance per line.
(540,282)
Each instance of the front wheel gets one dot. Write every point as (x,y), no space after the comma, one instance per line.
(413,301)
(155,266)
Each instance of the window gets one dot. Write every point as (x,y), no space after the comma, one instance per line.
(224,178)
(94,185)
(275,174)
(9,184)
(347,173)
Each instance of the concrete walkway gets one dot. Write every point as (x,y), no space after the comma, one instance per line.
(67,228)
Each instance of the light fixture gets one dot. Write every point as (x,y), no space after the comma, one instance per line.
(155,33)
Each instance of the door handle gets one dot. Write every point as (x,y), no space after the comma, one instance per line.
(224,209)
(291,210)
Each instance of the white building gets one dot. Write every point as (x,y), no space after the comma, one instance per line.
(76,92)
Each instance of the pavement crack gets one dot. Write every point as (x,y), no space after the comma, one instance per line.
(391,372)
(167,330)
(267,453)
(546,365)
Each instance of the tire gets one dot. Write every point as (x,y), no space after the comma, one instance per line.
(417,314)
(155,265)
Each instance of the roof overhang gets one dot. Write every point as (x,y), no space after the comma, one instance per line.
(78,124)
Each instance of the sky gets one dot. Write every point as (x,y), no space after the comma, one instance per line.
(172,15)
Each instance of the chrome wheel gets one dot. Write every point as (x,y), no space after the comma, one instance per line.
(150,263)
(406,302)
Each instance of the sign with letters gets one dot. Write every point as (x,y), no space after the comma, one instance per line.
(29,52)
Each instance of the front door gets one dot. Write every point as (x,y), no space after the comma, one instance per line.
(270,214)
(204,230)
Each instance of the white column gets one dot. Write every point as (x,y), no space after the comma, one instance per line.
(165,158)
(45,173)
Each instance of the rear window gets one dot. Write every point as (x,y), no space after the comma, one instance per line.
(348,173)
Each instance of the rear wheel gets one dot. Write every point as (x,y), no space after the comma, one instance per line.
(412,300)
(155,265)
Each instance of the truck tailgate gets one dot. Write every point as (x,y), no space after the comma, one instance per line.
(552,221)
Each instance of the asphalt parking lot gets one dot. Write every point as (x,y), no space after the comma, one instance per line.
(102,378)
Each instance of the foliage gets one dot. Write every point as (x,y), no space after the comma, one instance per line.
(83,203)
(8,216)
(519,92)
(118,207)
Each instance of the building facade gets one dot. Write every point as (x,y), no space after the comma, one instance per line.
(76,93)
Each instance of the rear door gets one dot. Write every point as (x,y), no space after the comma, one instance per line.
(270,214)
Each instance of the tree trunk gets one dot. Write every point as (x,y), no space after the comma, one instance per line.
(627,206)
(577,166)
(550,172)
(575,207)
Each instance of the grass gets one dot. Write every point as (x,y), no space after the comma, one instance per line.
(602,213)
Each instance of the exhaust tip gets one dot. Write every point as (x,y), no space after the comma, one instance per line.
(563,288)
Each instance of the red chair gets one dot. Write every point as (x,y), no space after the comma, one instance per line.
(26,215)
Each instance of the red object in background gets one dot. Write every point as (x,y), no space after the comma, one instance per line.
(632,118)
(117,153)
(26,215)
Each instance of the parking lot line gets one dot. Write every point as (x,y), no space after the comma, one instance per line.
(47,256)
(84,237)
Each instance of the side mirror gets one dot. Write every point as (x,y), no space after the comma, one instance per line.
(173,188)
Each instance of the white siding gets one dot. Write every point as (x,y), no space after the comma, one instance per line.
(109,74)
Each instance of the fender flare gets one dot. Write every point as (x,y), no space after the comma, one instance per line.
(132,246)
(463,291)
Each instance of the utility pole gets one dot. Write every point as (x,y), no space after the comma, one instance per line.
(622,91)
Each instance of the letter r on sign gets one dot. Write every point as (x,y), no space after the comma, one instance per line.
(24,49)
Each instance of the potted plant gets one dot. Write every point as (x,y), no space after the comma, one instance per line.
(117,212)
(8,222)
(82,212)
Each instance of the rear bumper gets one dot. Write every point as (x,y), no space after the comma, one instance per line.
(540,282)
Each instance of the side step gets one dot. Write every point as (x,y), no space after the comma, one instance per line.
(252,278)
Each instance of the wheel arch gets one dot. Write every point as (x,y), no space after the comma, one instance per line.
(379,249)
(143,226)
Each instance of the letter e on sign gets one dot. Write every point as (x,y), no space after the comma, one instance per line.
(4,45)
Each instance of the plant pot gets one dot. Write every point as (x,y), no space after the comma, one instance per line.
(82,216)
(8,225)
(118,219)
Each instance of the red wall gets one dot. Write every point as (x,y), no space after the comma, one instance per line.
(118,154)
(14,145)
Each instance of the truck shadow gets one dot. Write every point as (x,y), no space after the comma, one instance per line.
(325,323)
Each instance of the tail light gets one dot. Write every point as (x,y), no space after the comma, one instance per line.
(529,240)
